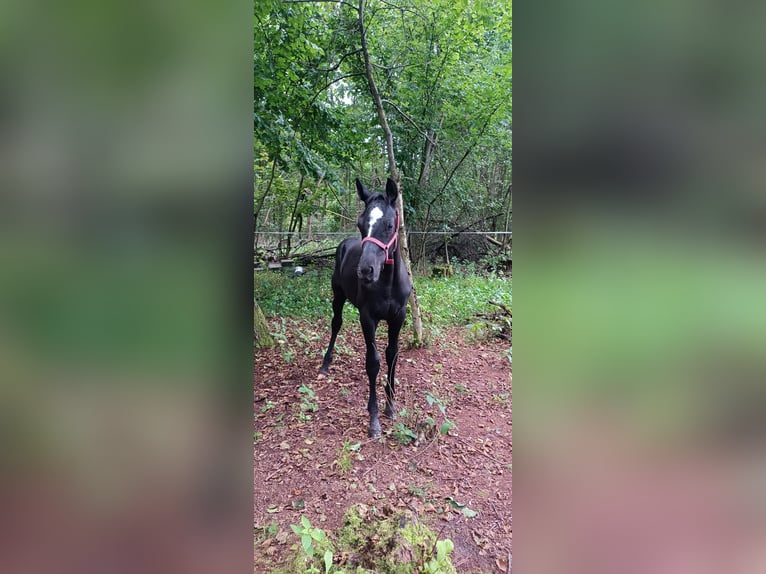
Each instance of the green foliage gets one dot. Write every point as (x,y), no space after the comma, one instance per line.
(453,301)
(267,531)
(344,461)
(314,540)
(444,70)
(308,403)
(282,295)
(402,433)
(446,424)
(457,300)
(440,563)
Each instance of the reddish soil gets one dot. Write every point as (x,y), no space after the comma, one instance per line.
(296,461)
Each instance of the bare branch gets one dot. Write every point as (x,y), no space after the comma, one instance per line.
(469,149)
(317,1)
(503,307)
(336,66)
(409,119)
(403,9)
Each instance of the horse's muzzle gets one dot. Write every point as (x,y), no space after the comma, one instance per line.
(366,273)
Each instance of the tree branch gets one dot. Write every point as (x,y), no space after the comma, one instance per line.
(318,1)
(409,119)
(327,85)
(336,66)
(468,151)
(403,9)
(503,307)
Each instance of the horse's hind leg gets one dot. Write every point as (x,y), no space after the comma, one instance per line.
(337,320)
(392,353)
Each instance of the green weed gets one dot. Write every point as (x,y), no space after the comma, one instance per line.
(403,434)
(344,460)
(314,540)
(444,302)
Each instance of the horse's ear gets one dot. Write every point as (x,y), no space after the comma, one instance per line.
(361,191)
(392,191)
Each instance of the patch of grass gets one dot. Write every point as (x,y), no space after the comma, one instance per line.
(283,295)
(308,399)
(306,297)
(444,302)
(369,542)
(344,461)
(308,403)
(456,300)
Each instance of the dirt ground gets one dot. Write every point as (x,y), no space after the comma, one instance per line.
(300,467)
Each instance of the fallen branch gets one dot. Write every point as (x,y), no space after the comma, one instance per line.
(503,307)
(493,241)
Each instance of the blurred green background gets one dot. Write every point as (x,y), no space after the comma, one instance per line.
(125,338)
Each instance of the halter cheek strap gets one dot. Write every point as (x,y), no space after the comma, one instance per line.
(386,246)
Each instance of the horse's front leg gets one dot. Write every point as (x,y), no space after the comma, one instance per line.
(392,353)
(372,366)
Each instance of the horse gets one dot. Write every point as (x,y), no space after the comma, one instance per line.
(369,272)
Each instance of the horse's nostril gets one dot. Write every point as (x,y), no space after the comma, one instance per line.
(365,271)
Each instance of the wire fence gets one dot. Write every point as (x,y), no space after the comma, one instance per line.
(345,233)
(424,245)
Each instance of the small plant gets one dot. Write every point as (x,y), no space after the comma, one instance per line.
(344,461)
(257,436)
(308,403)
(418,491)
(303,417)
(447,424)
(441,562)
(501,399)
(314,540)
(267,531)
(403,434)
(268,406)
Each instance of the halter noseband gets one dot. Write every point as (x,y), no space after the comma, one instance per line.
(386,246)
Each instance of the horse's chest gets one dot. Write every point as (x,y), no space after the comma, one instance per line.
(384,307)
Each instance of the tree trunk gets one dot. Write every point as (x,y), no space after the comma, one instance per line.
(263,338)
(417,321)
(429,145)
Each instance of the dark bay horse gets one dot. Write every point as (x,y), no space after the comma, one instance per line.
(370,273)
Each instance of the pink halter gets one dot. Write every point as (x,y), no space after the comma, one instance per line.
(386,246)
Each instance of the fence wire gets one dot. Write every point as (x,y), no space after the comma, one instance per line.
(305,235)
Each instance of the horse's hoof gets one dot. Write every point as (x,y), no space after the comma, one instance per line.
(375,430)
(324,371)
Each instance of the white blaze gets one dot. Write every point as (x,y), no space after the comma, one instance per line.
(375,214)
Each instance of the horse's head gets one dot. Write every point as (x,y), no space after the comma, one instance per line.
(379,226)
